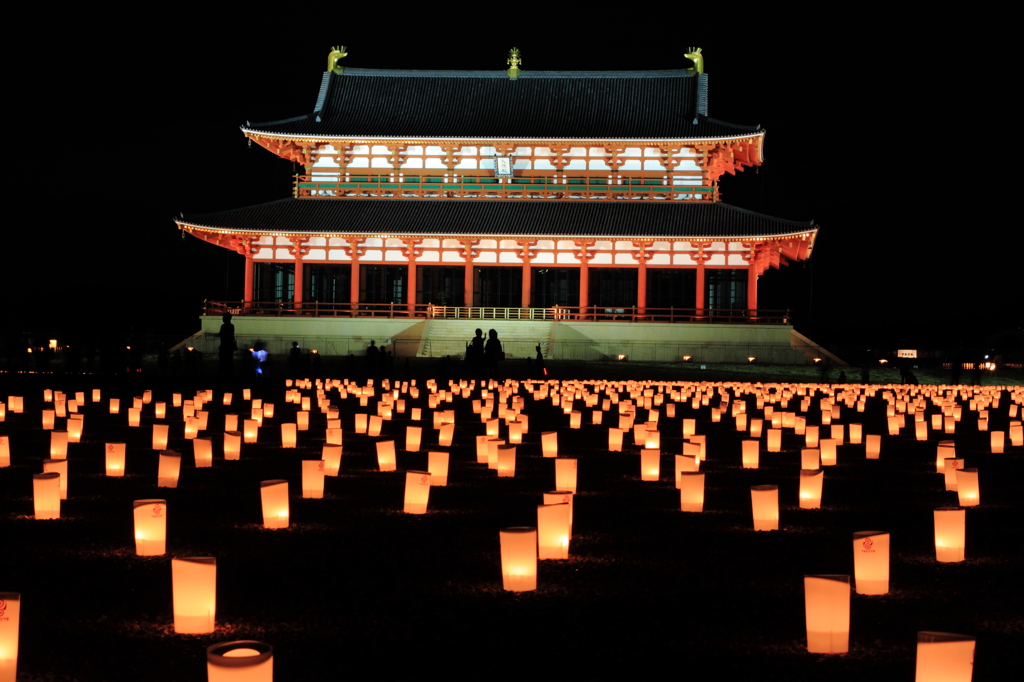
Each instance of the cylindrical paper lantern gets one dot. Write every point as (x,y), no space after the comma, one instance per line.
(997,441)
(764,500)
(274,495)
(950,533)
(169,468)
(313,479)
(946,449)
(231,422)
(810,488)
(289,435)
(58,444)
(334,436)
(950,467)
(445,435)
(553,531)
(691,491)
(774,440)
(412,438)
(375,425)
(871,561)
(811,437)
(751,453)
(49,416)
(650,465)
(10,622)
(240,660)
(565,474)
(160,436)
(194,590)
(232,445)
(417,492)
(519,559)
(561,497)
(134,416)
(810,458)
(575,418)
(250,430)
(150,527)
(506,461)
(202,450)
(827,606)
(873,446)
(856,434)
(967,487)
(437,463)
(921,430)
(5,452)
(614,440)
(331,455)
(386,455)
(828,451)
(115,405)
(59,466)
(1016,433)
(944,657)
(115,459)
(46,495)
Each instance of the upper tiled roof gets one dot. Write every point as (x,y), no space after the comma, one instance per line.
(432,217)
(538,104)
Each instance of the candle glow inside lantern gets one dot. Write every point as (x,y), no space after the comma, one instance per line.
(5,452)
(946,449)
(202,451)
(950,533)
(447,432)
(997,441)
(331,455)
(134,416)
(289,435)
(49,416)
(437,463)
(650,465)
(810,488)
(59,466)
(506,463)
(553,531)
(168,469)
(871,562)
(274,495)
(828,452)
(115,459)
(10,621)
(46,495)
(944,657)
(967,487)
(386,455)
(417,492)
(764,501)
(774,440)
(811,437)
(250,430)
(827,608)
(313,479)
(872,446)
(194,588)
(565,474)
(856,434)
(160,436)
(240,660)
(519,559)
(810,458)
(615,439)
(150,527)
(232,445)
(412,438)
(691,491)
(115,405)
(751,453)
(58,444)
(549,443)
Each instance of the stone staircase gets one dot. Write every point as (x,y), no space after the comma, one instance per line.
(519,338)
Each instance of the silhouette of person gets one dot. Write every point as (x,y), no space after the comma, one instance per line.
(493,353)
(475,353)
(228,346)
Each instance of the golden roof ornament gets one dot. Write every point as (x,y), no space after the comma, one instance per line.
(337,54)
(513,62)
(697,58)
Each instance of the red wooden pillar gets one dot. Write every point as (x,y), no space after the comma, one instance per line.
(353,288)
(752,291)
(467,281)
(247,293)
(297,296)
(700,288)
(527,284)
(584,258)
(410,298)
(641,287)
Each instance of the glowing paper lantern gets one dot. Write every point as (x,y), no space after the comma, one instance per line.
(334,436)
(691,491)
(115,459)
(274,495)
(944,657)
(921,430)
(811,437)
(565,474)
(134,416)
(194,588)
(519,559)
(561,497)
(756,426)
(58,444)
(575,418)
(160,436)
(10,621)
(446,433)
(856,434)
(247,660)
(949,473)
(810,458)
(202,450)
(250,430)
(871,561)
(412,438)
(417,492)
(615,439)
(48,419)
(997,441)
(46,495)
(810,488)
(506,463)
(168,470)
(375,425)
(1017,433)
(553,531)
(774,440)
(764,501)
(331,455)
(5,452)
(361,422)
(386,455)
(16,404)
(59,466)
(751,453)
(313,479)
(950,533)
(967,487)
(231,422)
(828,452)
(945,450)
(150,527)
(289,434)
(827,607)
(232,445)
(873,446)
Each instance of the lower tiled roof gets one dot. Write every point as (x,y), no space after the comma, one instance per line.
(437,217)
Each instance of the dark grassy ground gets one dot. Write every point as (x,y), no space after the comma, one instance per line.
(355,587)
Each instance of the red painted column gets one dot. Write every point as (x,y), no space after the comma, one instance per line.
(527,284)
(247,292)
(353,295)
(467,283)
(410,297)
(752,291)
(700,288)
(297,298)
(641,287)
(584,286)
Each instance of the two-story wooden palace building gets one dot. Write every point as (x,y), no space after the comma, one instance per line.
(586,202)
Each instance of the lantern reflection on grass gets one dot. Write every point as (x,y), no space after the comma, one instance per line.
(871,562)
(194,588)
(950,533)
(10,622)
(519,559)
(274,496)
(827,608)
(150,527)
(944,657)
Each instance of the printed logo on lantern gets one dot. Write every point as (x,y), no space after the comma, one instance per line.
(320,466)
(110,448)
(868,542)
(3,607)
(157,510)
(424,480)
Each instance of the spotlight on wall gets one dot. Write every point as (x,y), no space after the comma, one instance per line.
(751,359)
(621,358)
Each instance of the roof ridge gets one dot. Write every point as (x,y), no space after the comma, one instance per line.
(479,73)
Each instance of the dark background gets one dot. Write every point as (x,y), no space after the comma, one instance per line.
(887,133)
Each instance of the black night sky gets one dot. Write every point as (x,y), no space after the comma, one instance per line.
(883,138)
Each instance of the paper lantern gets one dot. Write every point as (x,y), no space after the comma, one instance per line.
(872,446)
(96,393)
(810,458)
(59,466)
(247,660)
(615,439)
(838,433)
(232,445)
(685,463)
(331,456)
(115,459)
(506,464)
(417,492)
(16,404)
(437,463)
(827,607)
(58,444)
(553,531)
(751,453)
(46,495)
(871,562)
(202,451)
(160,436)
(10,622)
(274,495)
(1017,433)
(950,467)
(856,434)
(169,468)
(741,422)
(194,594)
(565,474)
(48,419)
(150,527)
(289,435)
(764,500)
(921,430)
(811,437)
(5,452)
(774,440)
(561,497)
(302,420)
(445,435)
(946,449)
(374,426)
(268,410)
(134,416)
(950,534)
(828,451)
(519,559)
(944,657)
(691,491)
(997,441)
(230,422)
(412,438)
(810,488)
(575,418)
(386,455)
(334,436)
(313,478)
(967,487)
(159,410)
(250,430)
(492,452)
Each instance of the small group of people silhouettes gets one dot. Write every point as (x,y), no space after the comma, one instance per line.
(482,357)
